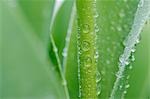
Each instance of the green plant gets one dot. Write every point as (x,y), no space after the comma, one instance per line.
(39,63)
(86,49)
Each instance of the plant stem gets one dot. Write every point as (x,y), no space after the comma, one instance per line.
(86,49)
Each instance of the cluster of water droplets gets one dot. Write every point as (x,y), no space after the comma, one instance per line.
(85,46)
(141,3)
(98,76)
(125,60)
(124,88)
(78,59)
(130,43)
(68,36)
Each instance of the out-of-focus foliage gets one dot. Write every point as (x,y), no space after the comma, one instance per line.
(25,69)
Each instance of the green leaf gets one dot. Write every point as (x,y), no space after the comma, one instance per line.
(139,75)
(141,16)
(110,38)
(71,66)
(60,27)
(26,71)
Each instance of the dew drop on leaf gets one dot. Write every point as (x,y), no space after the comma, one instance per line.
(118,74)
(86,28)
(128,77)
(98,77)
(98,93)
(87,61)
(96,55)
(141,3)
(125,92)
(96,28)
(85,46)
(96,14)
(127,62)
(138,39)
(132,58)
(64,83)
(55,49)
(89,71)
(133,49)
(64,52)
(119,28)
(120,87)
(127,86)
(130,67)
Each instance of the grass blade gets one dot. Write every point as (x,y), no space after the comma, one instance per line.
(140,19)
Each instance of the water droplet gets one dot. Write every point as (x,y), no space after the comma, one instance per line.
(98,77)
(64,52)
(55,49)
(64,83)
(141,3)
(118,74)
(123,62)
(133,49)
(127,62)
(96,28)
(130,67)
(85,46)
(138,40)
(132,58)
(79,52)
(96,15)
(127,86)
(96,55)
(128,77)
(87,61)
(125,92)
(86,28)
(98,93)
(119,28)
(120,87)
(125,42)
